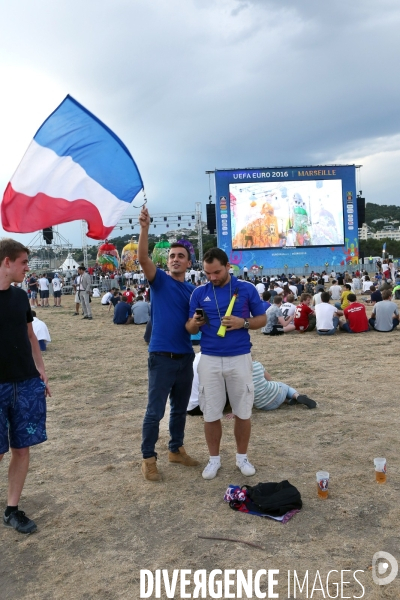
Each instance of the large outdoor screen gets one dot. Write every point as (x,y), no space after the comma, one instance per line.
(286,214)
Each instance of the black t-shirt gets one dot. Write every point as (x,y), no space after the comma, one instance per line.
(33,284)
(16,360)
(376,296)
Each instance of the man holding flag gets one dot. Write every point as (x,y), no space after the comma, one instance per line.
(170,352)
(225,364)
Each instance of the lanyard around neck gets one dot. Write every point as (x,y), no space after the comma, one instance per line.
(216,301)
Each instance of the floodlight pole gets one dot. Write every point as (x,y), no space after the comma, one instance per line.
(199,230)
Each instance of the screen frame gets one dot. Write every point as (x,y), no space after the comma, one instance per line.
(301,258)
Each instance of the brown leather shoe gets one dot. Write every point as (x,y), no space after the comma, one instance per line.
(149,469)
(182,458)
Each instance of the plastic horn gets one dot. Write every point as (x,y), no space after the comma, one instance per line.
(222,330)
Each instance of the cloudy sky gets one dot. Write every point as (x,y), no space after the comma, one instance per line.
(193,85)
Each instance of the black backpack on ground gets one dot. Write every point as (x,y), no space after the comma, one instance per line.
(274,499)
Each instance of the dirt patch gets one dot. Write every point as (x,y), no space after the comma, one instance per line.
(99,522)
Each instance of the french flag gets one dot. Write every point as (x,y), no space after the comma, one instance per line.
(74,168)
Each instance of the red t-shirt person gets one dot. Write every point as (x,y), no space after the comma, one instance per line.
(356,317)
(301,316)
(129,296)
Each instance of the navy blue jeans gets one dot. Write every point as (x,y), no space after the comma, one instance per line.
(173,377)
(395,324)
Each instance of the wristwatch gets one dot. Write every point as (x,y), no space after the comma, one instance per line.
(246,324)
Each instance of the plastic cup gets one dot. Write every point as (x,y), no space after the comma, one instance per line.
(380,470)
(322,484)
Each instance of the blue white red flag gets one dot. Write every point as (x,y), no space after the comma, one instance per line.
(74,168)
(384,247)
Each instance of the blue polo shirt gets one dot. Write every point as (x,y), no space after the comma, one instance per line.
(248,303)
(169,313)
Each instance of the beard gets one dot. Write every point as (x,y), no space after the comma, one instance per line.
(221,282)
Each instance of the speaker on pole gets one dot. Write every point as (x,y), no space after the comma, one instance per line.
(360,211)
(48,235)
(211,220)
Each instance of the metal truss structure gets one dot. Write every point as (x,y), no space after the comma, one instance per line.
(51,254)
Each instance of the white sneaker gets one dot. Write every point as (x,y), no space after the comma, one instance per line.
(246,468)
(211,469)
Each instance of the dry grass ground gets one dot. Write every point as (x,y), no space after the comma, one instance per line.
(99,522)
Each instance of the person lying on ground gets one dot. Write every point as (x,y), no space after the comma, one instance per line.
(268,394)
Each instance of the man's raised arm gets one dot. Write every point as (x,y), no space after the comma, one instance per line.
(149,268)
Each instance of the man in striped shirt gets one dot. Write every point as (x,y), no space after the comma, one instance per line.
(269,394)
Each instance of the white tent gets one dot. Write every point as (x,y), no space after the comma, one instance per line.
(69,264)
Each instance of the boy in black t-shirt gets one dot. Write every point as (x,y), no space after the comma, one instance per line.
(376,295)
(23,380)
(33,288)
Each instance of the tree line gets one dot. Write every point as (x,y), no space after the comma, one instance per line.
(381,212)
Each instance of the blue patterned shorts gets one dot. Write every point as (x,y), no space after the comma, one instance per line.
(22,414)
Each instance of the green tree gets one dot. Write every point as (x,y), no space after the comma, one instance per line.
(78,256)
(381,212)
(372,247)
(209,241)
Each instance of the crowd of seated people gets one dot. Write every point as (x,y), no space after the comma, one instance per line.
(331,303)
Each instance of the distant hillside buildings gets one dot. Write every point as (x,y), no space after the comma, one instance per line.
(391,230)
